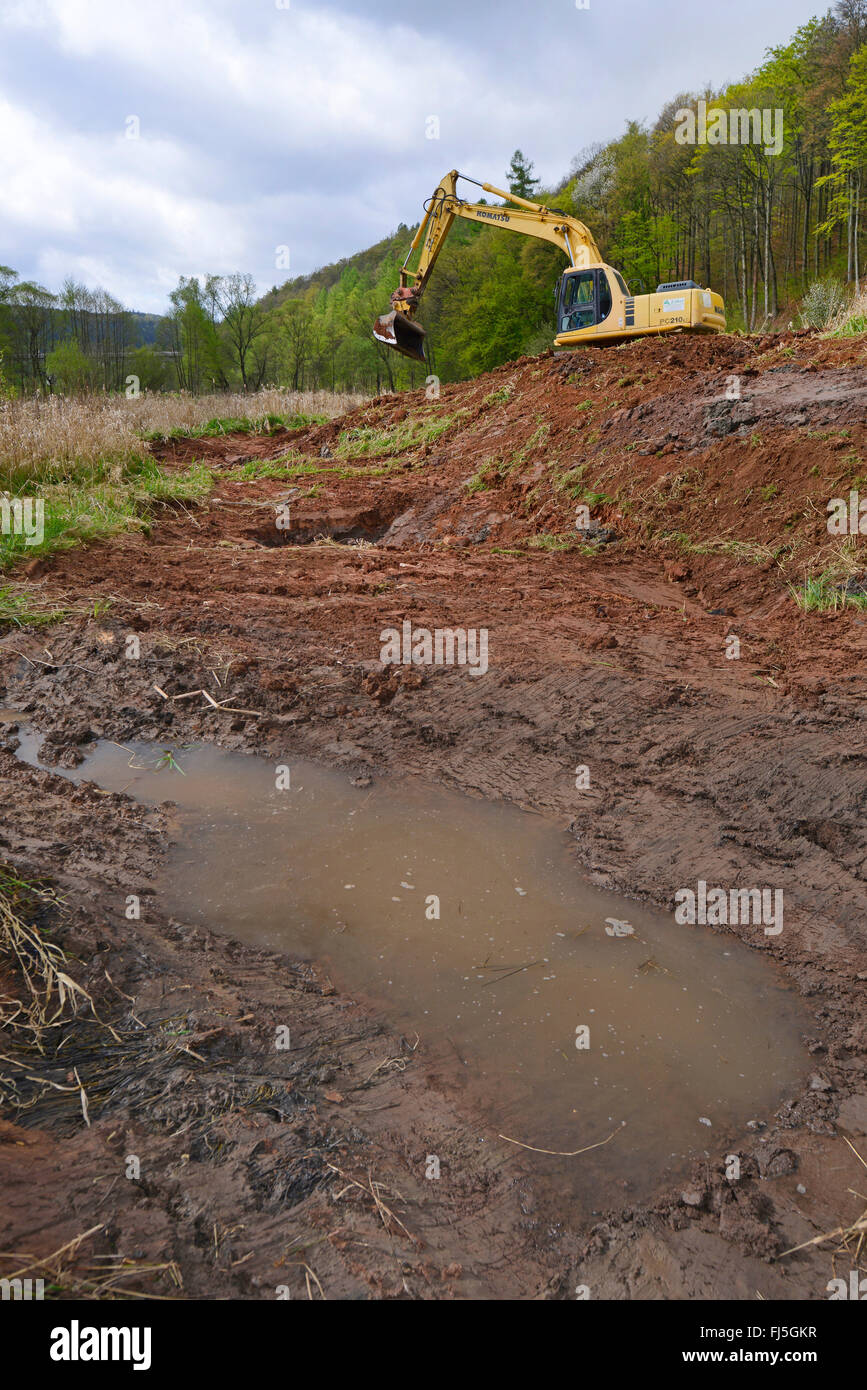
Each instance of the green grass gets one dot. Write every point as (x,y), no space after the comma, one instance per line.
(300,467)
(168,762)
(851,328)
(823,592)
(103,500)
(482,479)
(519,457)
(572,482)
(751,552)
(237,424)
(366,440)
(17,609)
(550,540)
(500,396)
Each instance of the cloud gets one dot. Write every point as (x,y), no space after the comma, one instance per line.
(250,137)
(263,126)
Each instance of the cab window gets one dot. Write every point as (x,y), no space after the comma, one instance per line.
(578,289)
(586,300)
(604,296)
(621,282)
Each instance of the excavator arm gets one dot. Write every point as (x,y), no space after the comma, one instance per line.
(396,329)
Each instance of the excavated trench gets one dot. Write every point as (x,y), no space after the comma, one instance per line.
(344,526)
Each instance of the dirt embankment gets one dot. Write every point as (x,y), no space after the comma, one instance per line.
(609,648)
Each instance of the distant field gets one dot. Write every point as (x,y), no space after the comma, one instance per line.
(40,439)
(88,458)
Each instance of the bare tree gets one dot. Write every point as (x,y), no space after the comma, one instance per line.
(243,319)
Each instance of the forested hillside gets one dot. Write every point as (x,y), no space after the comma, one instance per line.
(760,226)
(763,220)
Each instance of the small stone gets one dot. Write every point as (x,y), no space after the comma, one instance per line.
(775,1162)
(801,1188)
(692,1197)
(819,1083)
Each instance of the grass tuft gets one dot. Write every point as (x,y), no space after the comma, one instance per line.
(828,592)
(18,609)
(102,500)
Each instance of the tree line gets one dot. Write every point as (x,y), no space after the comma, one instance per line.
(758,220)
(760,199)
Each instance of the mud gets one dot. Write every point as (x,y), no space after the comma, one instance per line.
(610,655)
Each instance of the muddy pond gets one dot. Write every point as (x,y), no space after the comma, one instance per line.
(571,1015)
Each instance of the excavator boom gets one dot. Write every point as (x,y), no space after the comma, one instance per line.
(594,303)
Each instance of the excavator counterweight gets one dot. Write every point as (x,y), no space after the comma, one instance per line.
(593,302)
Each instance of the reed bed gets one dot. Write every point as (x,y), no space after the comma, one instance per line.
(42,439)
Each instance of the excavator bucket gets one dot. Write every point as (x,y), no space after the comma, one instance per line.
(398,331)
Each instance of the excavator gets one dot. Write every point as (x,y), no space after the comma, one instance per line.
(593,302)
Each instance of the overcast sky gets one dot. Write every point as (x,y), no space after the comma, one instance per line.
(270,123)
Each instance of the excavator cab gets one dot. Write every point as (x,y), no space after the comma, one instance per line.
(584,299)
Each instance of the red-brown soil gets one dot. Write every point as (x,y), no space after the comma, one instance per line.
(607,648)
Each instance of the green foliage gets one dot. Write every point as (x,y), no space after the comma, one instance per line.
(551,540)
(847,142)
(500,396)
(520,177)
(238,424)
(71,371)
(822,303)
(481,480)
(852,327)
(18,608)
(827,591)
(152,369)
(364,440)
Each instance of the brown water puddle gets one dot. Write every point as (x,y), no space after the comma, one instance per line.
(686,1026)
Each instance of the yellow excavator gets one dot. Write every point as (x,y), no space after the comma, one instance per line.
(593,302)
